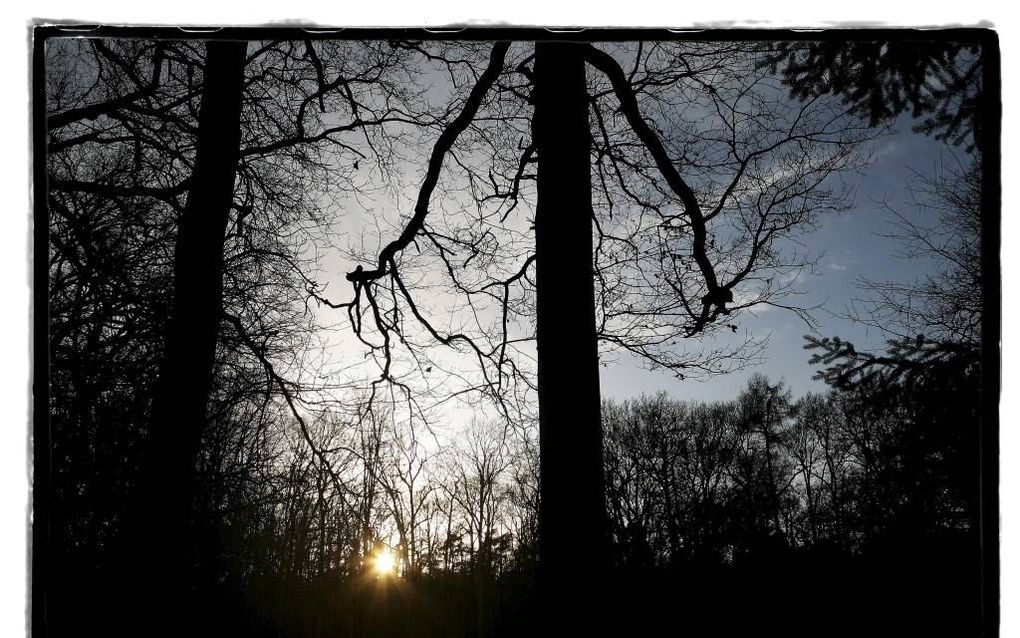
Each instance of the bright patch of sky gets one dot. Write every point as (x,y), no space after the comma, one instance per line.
(850,246)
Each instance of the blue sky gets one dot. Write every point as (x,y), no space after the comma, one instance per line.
(849,246)
(852,248)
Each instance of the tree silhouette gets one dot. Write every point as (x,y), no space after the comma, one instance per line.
(126,136)
(765,179)
(185,375)
(572,536)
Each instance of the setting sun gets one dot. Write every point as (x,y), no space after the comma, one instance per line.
(385,563)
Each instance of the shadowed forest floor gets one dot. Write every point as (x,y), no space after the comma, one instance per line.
(924,587)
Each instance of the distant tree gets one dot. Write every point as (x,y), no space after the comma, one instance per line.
(634,501)
(824,453)
(406,482)
(479,491)
(523,497)
(806,450)
(762,472)
(108,291)
(706,458)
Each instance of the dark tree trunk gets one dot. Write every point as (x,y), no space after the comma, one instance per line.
(573,536)
(161,536)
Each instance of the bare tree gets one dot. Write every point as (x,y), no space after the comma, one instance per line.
(807,451)
(145,130)
(479,489)
(406,481)
(946,304)
(762,173)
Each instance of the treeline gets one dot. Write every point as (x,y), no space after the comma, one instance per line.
(869,488)
(854,512)
(722,482)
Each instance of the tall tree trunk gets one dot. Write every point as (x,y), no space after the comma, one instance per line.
(573,535)
(162,537)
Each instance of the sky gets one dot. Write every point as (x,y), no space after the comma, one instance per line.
(849,245)
(852,248)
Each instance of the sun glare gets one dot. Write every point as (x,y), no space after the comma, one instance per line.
(385,563)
